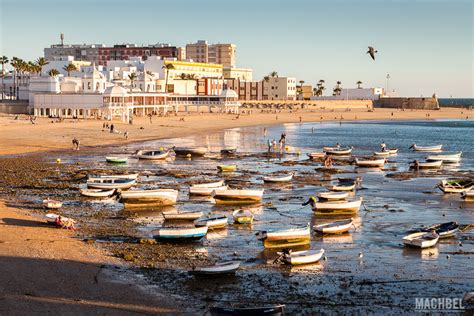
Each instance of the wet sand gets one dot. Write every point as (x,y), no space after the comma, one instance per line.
(20,136)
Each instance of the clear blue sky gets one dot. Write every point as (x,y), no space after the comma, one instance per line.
(425,46)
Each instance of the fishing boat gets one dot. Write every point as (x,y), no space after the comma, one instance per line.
(158,197)
(237,196)
(153,154)
(382,153)
(450,158)
(97,192)
(114,159)
(337,227)
(278,238)
(201,191)
(421,239)
(110,183)
(114,176)
(212,221)
(52,204)
(193,151)
(337,151)
(273,310)
(316,155)
(180,233)
(426,148)
(229,151)
(337,207)
(426,164)
(181,216)
(444,230)
(468,196)
(285,178)
(223,267)
(301,257)
(215,184)
(51,218)
(370,163)
(227,168)
(355,180)
(243,216)
(456,185)
(342,187)
(332,196)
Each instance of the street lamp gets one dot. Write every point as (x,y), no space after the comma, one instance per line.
(388,78)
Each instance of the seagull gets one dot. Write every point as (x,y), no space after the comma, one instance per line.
(372,52)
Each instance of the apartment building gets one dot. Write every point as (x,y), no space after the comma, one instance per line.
(203,52)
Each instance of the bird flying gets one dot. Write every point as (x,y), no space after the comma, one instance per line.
(372,52)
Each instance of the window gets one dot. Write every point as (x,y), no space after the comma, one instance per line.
(88,86)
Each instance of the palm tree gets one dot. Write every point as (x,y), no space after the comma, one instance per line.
(167,68)
(150,74)
(41,62)
(358,84)
(15,63)
(183,76)
(191,77)
(53,72)
(3,60)
(274,74)
(266,78)
(69,68)
(132,76)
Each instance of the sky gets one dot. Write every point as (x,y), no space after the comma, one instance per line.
(426,46)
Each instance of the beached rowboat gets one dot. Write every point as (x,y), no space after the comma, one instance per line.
(114,176)
(456,185)
(114,159)
(316,155)
(243,216)
(51,218)
(426,164)
(285,238)
(153,154)
(181,216)
(212,221)
(285,178)
(421,240)
(223,267)
(444,230)
(337,151)
(110,183)
(52,204)
(205,191)
(382,153)
(157,197)
(451,158)
(337,227)
(332,196)
(426,148)
(193,151)
(342,187)
(237,196)
(347,206)
(370,163)
(273,310)
(216,184)
(302,257)
(229,151)
(97,192)
(180,233)
(227,168)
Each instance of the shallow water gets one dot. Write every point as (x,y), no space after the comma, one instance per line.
(391,208)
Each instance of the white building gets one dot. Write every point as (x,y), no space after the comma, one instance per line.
(281,88)
(355,94)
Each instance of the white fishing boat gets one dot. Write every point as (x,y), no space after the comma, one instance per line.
(456,185)
(337,207)
(343,187)
(426,164)
(180,233)
(370,163)
(337,227)
(52,204)
(51,218)
(232,196)
(224,267)
(316,155)
(302,257)
(382,153)
(110,183)
(450,158)
(193,151)
(153,154)
(421,240)
(285,178)
(114,176)
(181,216)
(332,196)
(201,191)
(337,151)
(158,197)
(212,221)
(97,192)
(215,184)
(426,148)
(278,238)
(243,216)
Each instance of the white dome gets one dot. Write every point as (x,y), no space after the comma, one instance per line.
(115,91)
(229,93)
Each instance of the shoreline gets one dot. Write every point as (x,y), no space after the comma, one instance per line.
(21,137)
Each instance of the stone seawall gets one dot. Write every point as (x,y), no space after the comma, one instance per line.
(14,107)
(408,103)
(307,104)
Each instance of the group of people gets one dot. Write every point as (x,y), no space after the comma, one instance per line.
(272,144)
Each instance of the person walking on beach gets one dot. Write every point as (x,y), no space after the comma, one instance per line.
(265,132)
(75,144)
(269,144)
(125,134)
(111,128)
(151,122)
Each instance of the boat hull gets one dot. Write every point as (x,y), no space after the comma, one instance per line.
(334,228)
(427,148)
(116,159)
(303,257)
(421,240)
(286,243)
(180,233)
(333,196)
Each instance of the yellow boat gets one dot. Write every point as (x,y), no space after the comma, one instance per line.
(227,168)
(287,243)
